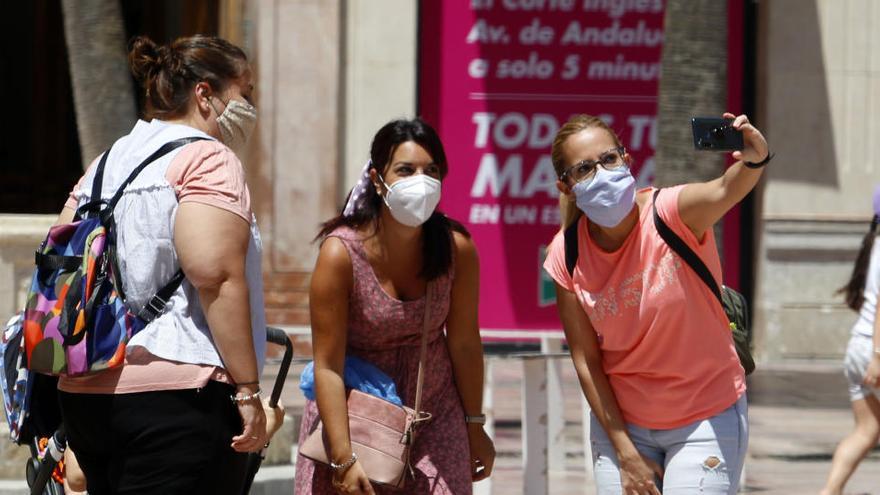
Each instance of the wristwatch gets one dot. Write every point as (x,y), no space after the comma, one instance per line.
(479,419)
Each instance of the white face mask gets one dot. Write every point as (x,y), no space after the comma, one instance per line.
(236,124)
(412,200)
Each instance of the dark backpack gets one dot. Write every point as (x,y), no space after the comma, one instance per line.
(733,303)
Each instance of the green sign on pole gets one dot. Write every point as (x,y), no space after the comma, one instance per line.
(546,285)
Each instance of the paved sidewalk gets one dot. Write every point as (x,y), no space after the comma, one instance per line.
(798,413)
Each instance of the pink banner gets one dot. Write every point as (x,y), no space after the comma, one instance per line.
(497,78)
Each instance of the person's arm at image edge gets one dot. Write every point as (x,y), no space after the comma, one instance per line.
(702,204)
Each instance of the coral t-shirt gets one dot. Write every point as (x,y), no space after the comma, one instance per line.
(205,172)
(666,345)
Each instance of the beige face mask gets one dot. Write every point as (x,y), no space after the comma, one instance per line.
(236,124)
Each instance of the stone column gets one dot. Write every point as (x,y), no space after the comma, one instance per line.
(329,74)
(380,75)
(22,234)
(294,171)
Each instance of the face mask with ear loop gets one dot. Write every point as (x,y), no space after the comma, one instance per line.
(608,197)
(412,200)
(236,123)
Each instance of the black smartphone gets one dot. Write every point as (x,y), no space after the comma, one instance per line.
(715,134)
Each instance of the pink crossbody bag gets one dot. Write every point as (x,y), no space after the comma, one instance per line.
(382,434)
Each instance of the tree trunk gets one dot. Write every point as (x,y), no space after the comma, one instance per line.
(693,82)
(103,93)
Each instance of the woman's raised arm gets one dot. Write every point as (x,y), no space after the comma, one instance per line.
(701,204)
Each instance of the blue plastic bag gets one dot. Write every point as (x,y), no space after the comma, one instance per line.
(359,375)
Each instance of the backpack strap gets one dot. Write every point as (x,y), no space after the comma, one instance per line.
(56,261)
(94,204)
(159,153)
(156,305)
(571,246)
(686,253)
(97,182)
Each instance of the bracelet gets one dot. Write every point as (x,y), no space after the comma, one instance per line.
(760,164)
(877,351)
(479,419)
(242,384)
(238,399)
(345,465)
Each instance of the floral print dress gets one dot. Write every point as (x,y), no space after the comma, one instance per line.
(387,333)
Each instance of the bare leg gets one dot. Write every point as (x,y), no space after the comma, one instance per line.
(855,446)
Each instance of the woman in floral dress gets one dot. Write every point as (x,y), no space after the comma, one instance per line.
(368,299)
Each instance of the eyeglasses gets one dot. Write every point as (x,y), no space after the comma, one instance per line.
(586,169)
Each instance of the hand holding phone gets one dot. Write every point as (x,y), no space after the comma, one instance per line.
(716,134)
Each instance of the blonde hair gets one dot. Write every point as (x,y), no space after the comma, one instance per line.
(568,210)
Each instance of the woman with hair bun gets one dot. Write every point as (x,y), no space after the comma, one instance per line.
(183,410)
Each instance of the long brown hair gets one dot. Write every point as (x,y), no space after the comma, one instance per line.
(168,72)
(854,290)
(568,210)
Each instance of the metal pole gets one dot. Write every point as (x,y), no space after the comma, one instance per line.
(555,406)
(534,426)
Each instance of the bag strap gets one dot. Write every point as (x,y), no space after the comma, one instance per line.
(95,203)
(156,305)
(423,353)
(159,153)
(686,253)
(410,433)
(57,261)
(97,182)
(571,246)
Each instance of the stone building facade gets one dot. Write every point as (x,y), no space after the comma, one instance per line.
(330,72)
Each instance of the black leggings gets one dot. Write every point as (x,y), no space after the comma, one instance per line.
(166,442)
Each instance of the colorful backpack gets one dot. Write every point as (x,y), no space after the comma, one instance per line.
(76,320)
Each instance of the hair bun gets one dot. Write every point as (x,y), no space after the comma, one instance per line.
(144,58)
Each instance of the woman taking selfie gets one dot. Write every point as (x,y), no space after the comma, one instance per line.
(649,340)
(383,263)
